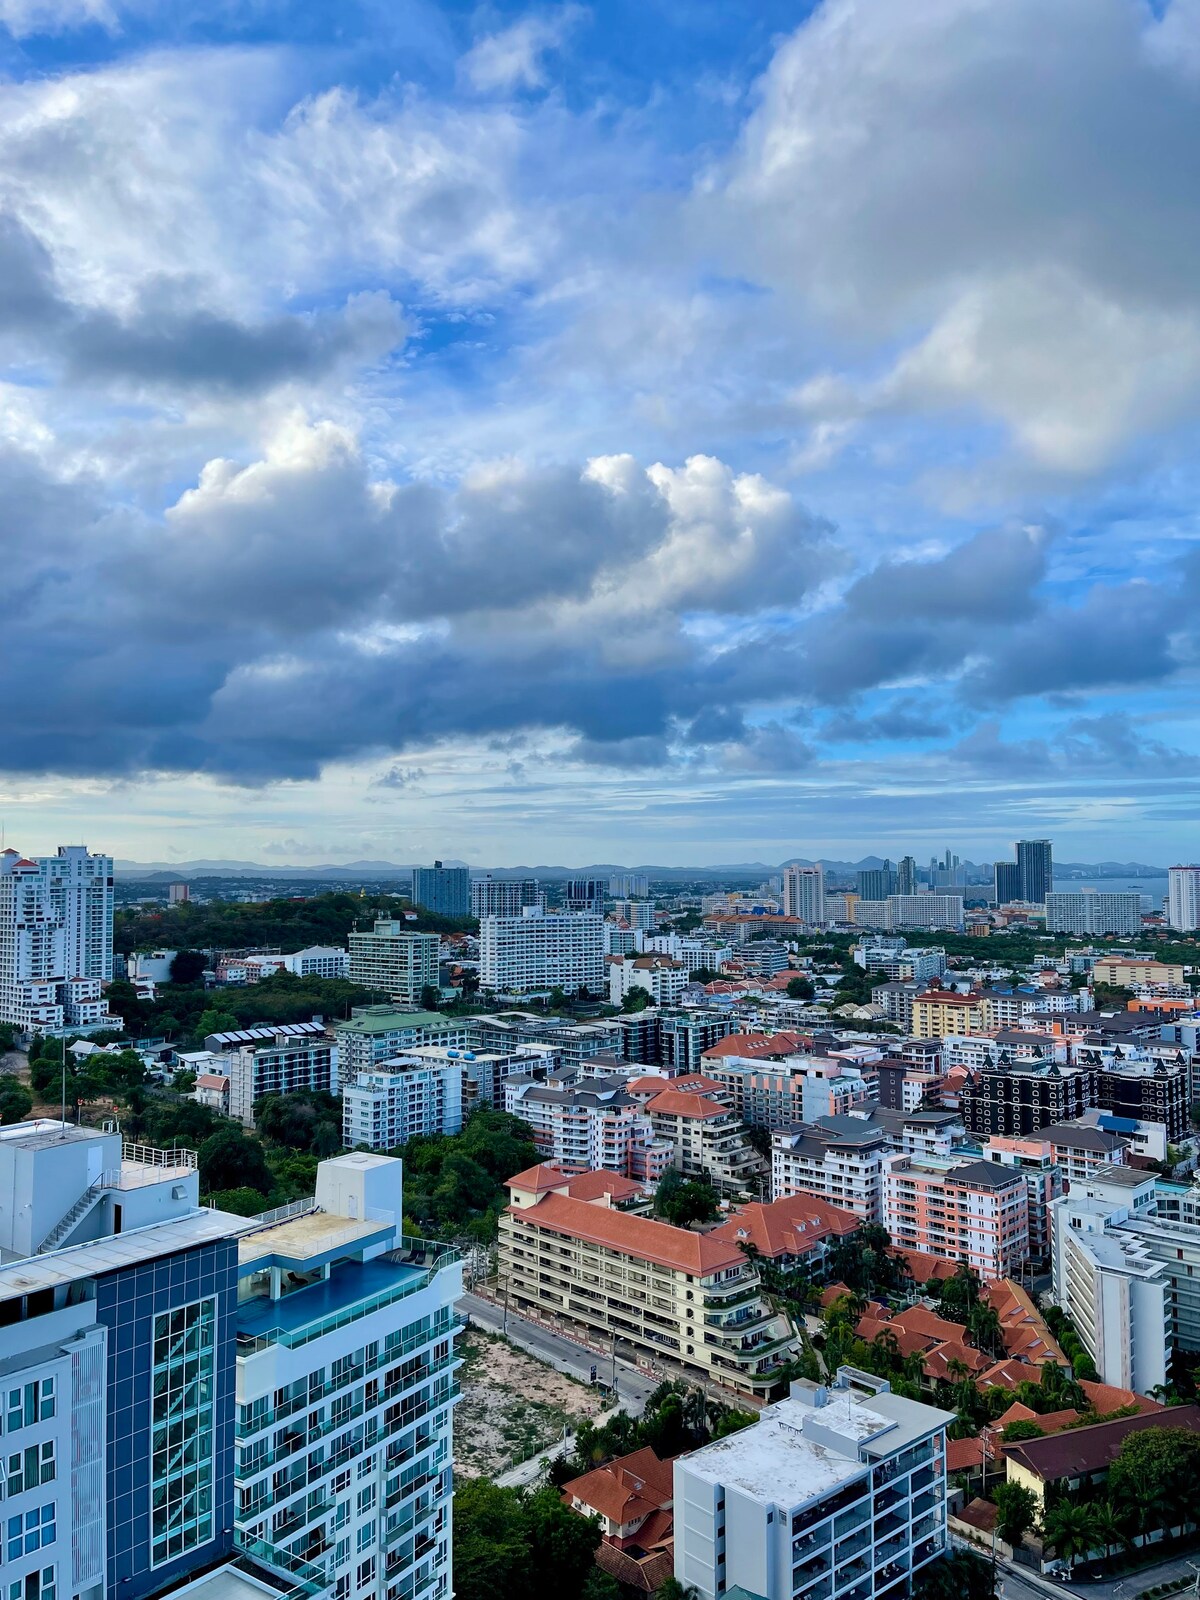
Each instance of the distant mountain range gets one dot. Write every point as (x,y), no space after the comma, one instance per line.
(355,871)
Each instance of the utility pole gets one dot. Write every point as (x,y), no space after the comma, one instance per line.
(614,1361)
(64,1086)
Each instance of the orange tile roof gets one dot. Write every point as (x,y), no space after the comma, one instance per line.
(642,1237)
(832,1292)
(1008,1374)
(1105,1397)
(922,1266)
(757,1044)
(545,1176)
(791,1226)
(592,1185)
(628,1489)
(938,1360)
(963,1454)
(917,1319)
(684,1103)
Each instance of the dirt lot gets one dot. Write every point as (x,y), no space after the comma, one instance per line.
(512,1406)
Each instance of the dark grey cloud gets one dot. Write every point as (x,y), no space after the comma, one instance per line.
(905,720)
(167,341)
(989,578)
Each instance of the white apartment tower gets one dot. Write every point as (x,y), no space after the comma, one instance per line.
(525,954)
(504,897)
(1183,898)
(804,893)
(834,1492)
(55,938)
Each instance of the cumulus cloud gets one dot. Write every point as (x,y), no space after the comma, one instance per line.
(994,186)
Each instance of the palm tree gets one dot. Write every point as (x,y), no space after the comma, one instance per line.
(1109,1526)
(986,1328)
(1072,1530)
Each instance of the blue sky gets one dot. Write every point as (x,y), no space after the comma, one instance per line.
(650,432)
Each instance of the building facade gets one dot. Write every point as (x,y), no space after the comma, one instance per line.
(1183,898)
(446,891)
(504,897)
(804,893)
(284,1064)
(1035,870)
(400,1099)
(55,939)
(661,1290)
(535,952)
(393,959)
(976,1212)
(374,1034)
(346,1387)
(1091,911)
(838,1491)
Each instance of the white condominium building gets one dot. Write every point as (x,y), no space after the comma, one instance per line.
(836,1493)
(1183,898)
(535,952)
(504,897)
(345,1389)
(925,910)
(318,961)
(663,980)
(847,1174)
(55,939)
(596,1126)
(413,1094)
(1093,911)
(79,887)
(804,893)
(391,958)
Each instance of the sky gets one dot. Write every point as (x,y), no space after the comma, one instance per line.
(663,431)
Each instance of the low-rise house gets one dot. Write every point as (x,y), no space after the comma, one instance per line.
(632,1498)
(1079,1458)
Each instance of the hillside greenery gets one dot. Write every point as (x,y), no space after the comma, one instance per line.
(286,923)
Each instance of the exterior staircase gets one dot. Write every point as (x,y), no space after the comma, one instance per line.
(64,1227)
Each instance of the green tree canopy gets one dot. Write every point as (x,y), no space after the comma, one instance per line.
(229,1159)
(1018,1507)
(188,966)
(16,1102)
(682,1201)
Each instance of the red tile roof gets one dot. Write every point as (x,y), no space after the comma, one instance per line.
(923,1267)
(791,1226)
(1105,1397)
(642,1237)
(758,1044)
(684,1103)
(628,1489)
(592,1185)
(917,1319)
(963,1454)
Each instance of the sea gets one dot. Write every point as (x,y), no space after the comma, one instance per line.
(1152,890)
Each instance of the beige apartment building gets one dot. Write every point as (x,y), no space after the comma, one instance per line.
(395,960)
(672,1294)
(707,1140)
(1130,972)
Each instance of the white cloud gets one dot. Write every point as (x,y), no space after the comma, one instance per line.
(25,17)
(513,58)
(994,188)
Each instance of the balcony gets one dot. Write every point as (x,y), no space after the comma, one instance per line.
(353,1290)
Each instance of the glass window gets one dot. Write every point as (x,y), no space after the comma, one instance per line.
(182,1445)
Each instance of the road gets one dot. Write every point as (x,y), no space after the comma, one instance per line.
(561,1352)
